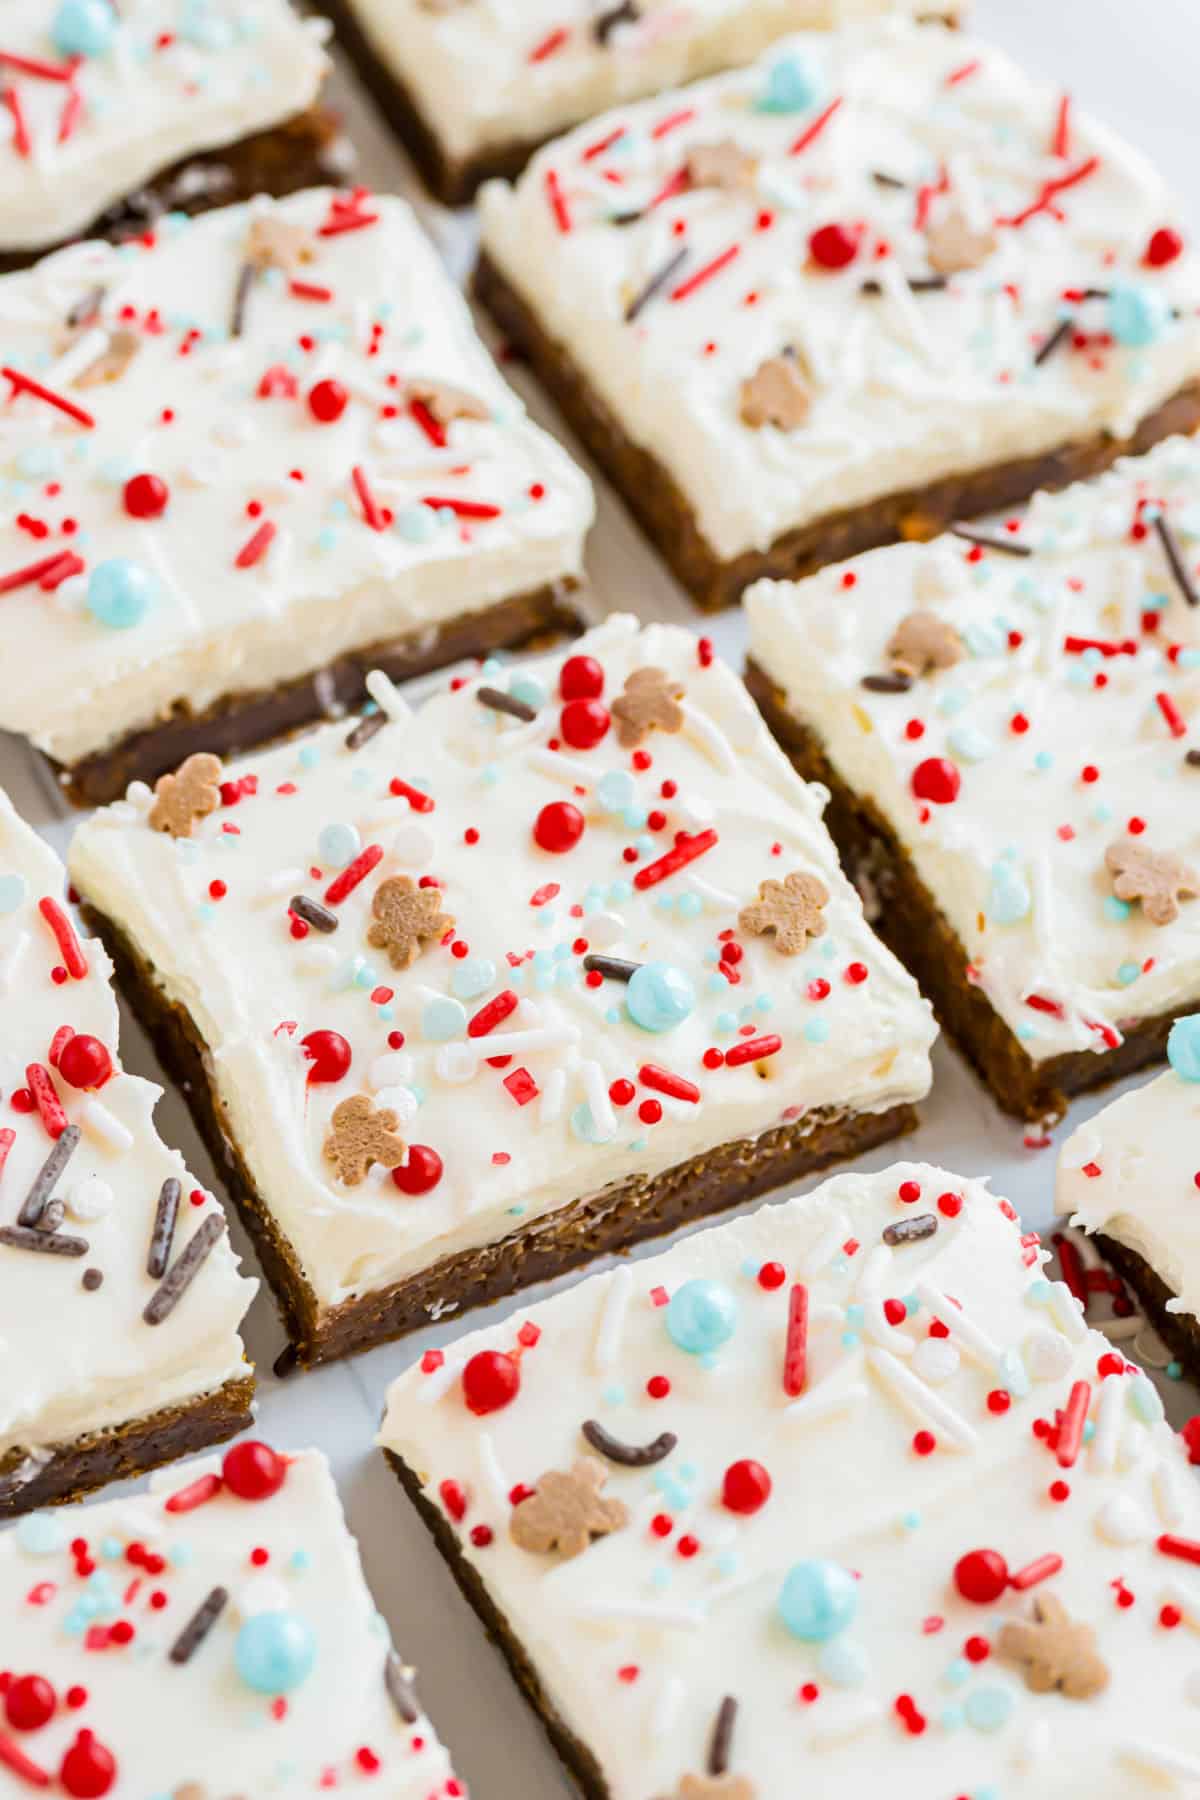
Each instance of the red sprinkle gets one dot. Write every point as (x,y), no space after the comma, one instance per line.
(256,547)
(357,871)
(705,273)
(753,1050)
(1070,1433)
(795,1354)
(685,851)
(813,131)
(69,946)
(665,1082)
(197,1493)
(25,384)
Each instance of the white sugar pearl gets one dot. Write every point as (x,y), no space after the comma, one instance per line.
(604,928)
(1122,1521)
(90,1198)
(936,1360)
(413,844)
(401,1100)
(392,1070)
(1047,1355)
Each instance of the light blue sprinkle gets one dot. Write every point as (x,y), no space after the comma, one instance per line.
(690,906)
(586,1128)
(1116,911)
(308,756)
(792,86)
(615,790)
(850,1340)
(957,1672)
(1038,1292)
(13,889)
(1137,315)
(911,1521)
(843,1662)
(472,977)
(620,891)
(989,1708)
(951,1718)
(1042,761)
(41,1534)
(300,1560)
(854,1313)
(1174,1371)
(970,743)
(1183,1047)
(443,1019)
(1128,973)
(816,1031)
(1144,1399)
(338,845)
(614,1395)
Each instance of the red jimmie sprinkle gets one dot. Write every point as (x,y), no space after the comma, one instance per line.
(665,1082)
(705,273)
(19,578)
(48,1103)
(14,1758)
(69,946)
(72,112)
(197,1493)
(553,41)
(8,1138)
(558,202)
(672,122)
(309,290)
(255,547)
(753,1050)
(1186,1549)
(491,1015)
(33,65)
(25,384)
(685,851)
(1049,189)
(813,131)
(1040,1569)
(22,142)
(419,802)
(1070,1433)
(1060,144)
(434,430)
(372,511)
(1171,713)
(463,509)
(795,1352)
(357,871)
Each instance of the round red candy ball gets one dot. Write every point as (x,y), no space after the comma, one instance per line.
(146,497)
(746,1487)
(253,1471)
(29,1703)
(327,401)
(583,723)
(421,1173)
(1190,1433)
(1165,246)
(328,1054)
(582,678)
(558,827)
(88,1769)
(936,779)
(84,1062)
(490,1381)
(833,246)
(981,1576)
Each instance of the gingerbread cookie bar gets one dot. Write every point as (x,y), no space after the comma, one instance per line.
(878,281)
(464,997)
(1009,720)
(212,1636)
(846,1487)
(473,87)
(1130,1176)
(248,461)
(112,116)
(120,1296)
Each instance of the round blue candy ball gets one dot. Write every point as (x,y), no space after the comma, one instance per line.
(1136,315)
(701,1317)
(1183,1047)
(818,1599)
(83,27)
(275,1652)
(119,593)
(659,996)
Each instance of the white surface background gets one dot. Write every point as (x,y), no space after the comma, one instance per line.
(1137,66)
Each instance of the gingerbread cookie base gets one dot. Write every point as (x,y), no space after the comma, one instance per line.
(302,152)
(650,491)
(122,1451)
(1180,1331)
(610,1221)
(912,924)
(245,720)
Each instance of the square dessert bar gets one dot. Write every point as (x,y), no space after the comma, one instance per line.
(213,1635)
(465,997)
(473,87)
(247,459)
(1130,1175)
(113,115)
(875,282)
(846,1487)
(1009,722)
(120,1296)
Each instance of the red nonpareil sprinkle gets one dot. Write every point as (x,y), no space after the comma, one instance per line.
(554,40)
(557,201)
(1049,189)
(21,140)
(256,547)
(1184,1549)
(454,1499)
(491,1015)
(705,273)
(462,509)
(48,1103)
(32,572)
(811,132)
(1060,143)
(372,511)
(357,871)
(434,430)
(684,852)
(753,1050)
(197,1493)
(665,1082)
(1171,713)
(1040,1569)
(795,1350)
(25,384)
(70,949)
(34,65)
(1070,1432)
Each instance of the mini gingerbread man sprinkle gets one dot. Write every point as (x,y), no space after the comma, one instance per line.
(1157,878)
(923,643)
(650,700)
(1053,1651)
(180,800)
(776,394)
(445,402)
(721,165)
(792,909)
(567,1511)
(953,245)
(361,1134)
(715,1787)
(274,243)
(407,918)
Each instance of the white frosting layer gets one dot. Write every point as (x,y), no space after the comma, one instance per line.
(1133,1172)
(375,312)
(905,388)
(71,1360)
(169,1725)
(1057,745)
(486,74)
(637,1639)
(170,78)
(852,1032)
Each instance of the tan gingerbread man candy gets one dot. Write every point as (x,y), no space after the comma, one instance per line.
(922,643)
(1054,1652)
(445,402)
(776,394)
(649,702)
(185,797)
(953,244)
(567,1511)
(407,918)
(360,1133)
(1155,877)
(792,909)
(723,164)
